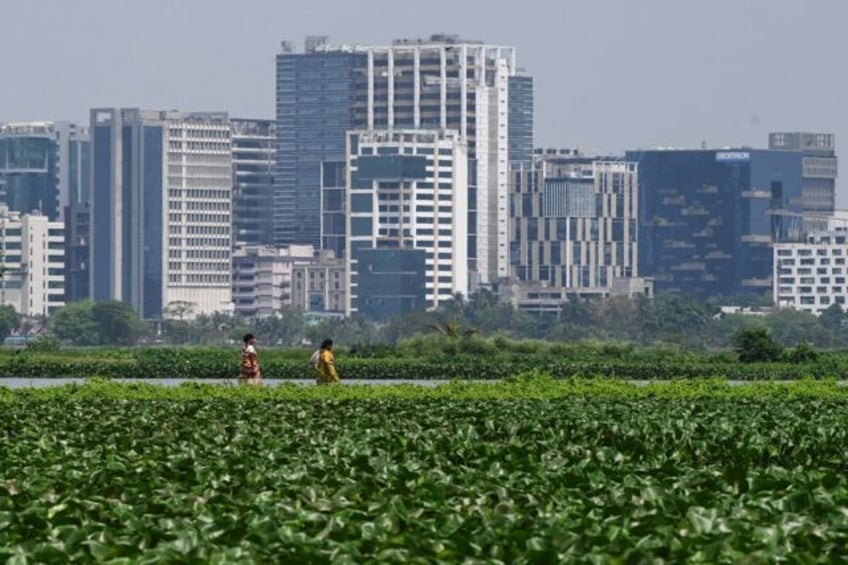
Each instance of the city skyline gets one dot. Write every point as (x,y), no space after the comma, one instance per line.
(610,76)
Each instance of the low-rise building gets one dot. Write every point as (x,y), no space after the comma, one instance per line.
(539,297)
(319,287)
(262,277)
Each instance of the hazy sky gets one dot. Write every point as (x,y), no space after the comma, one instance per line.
(609,75)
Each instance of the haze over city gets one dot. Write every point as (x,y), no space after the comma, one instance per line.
(609,75)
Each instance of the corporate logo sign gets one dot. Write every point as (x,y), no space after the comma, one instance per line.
(732,156)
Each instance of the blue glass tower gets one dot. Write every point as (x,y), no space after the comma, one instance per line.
(126,211)
(316,94)
(707,218)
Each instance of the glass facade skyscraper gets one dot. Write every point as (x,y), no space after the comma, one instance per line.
(708,218)
(316,92)
(520,118)
(254,155)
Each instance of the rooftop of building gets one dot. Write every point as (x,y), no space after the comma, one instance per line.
(40,128)
(104,115)
(322,44)
(437,38)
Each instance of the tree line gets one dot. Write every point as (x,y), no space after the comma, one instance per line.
(663,319)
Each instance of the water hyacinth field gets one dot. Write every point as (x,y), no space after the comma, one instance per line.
(529,470)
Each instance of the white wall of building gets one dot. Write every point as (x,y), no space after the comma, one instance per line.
(198,214)
(811,276)
(262,278)
(491,66)
(423,212)
(34,260)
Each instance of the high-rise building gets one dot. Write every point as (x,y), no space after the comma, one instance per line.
(315,104)
(77,251)
(407,202)
(449,82)
(45,166)
(820,169)
(574,222)
(708,218)
(443,82)
(254,155)
(33,249)
(161,209)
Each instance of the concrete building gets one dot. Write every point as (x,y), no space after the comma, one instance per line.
(262,278)
(406,192)
(443,82)
(161,209)
(820,167)
(33,249)
(811,275)
(254,158)
(319,287)
(708,218)
(45,166)
(541,298)
(574,222)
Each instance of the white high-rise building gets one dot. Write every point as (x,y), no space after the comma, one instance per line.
(407,233)
(33,251)
(161,209)
(445,82)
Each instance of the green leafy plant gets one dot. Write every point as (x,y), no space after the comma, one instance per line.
(531,470)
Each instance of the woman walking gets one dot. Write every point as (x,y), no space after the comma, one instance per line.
(325,372)
(250,373)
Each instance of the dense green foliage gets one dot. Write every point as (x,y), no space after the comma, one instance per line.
(524,471)
(9,320)
(433,357)
(664,319)
(101,323)
(756,345)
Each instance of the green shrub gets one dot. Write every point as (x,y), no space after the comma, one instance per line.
(802,353)
(756,345)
